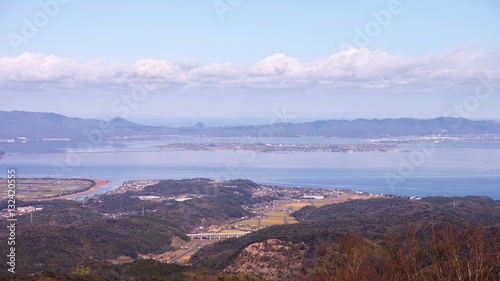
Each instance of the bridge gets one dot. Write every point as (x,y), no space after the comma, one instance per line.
(217,236)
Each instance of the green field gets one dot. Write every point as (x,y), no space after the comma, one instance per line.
(276,214)
(272,221)
(249,222)
(269,219)
(296,205)
(45,188)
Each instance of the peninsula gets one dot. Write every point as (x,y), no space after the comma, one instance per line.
(280,147)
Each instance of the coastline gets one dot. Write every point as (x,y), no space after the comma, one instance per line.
(98,184)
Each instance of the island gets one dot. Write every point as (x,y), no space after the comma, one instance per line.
(280,147)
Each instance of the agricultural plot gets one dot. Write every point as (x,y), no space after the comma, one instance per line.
(296,205)
(265,222)
(249,222)
(232,231)
(49,188)
(276,214)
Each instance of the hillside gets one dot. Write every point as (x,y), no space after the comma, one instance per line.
(368,223)
(38,125)
(49,125)
(66,234)
(374,239)
(139,270)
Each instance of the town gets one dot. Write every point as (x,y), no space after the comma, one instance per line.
(280,147)
(283,201)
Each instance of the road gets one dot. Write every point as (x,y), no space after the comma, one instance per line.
(194,249)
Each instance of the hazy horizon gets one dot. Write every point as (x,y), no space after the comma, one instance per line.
(187,121)
(375,59)
(114,200)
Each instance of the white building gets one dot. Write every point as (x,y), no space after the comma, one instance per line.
(313,196)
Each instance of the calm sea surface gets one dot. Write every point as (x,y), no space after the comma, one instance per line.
(448,169)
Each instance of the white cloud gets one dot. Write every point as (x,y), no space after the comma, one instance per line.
(275,65)
(28,67)
(215,70)
(351,69)
(150,68)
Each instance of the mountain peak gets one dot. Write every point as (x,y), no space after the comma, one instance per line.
(199,125)
(117,119)
(121,123)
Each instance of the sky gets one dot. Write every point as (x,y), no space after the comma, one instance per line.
(241,59)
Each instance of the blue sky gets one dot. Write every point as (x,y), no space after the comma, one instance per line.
(241,58)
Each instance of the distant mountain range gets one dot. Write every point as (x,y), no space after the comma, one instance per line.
(36,125)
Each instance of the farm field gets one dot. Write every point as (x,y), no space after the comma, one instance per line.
(296,205)
(231,231)
(50,188)
(283,208)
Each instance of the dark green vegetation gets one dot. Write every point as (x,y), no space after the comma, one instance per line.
(66,235)
(223,202)
(385,239)
(436,238)
(48,125)
(139,270)
(201,186)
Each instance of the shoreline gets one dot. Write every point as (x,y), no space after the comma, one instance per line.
(98,183)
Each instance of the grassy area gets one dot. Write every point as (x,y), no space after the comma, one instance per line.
(232,231)
(276,214)
(246,228)
(185,258)
(42,188)
(296,205)
(272,221)
(321,202)
(177,242)
(277,217)
(249,222)
(121,259)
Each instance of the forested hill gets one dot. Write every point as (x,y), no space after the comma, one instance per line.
(36,125)
(436,238)
(67,234)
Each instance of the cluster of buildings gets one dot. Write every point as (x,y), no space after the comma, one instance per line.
(279,147)
(133,185)
(178,198)
(5,213)
(286,192)
(25,139)
(18,140)
(439,138)
(147,257)
(125,213)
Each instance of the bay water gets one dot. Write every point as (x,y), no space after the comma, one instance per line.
(429,169)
